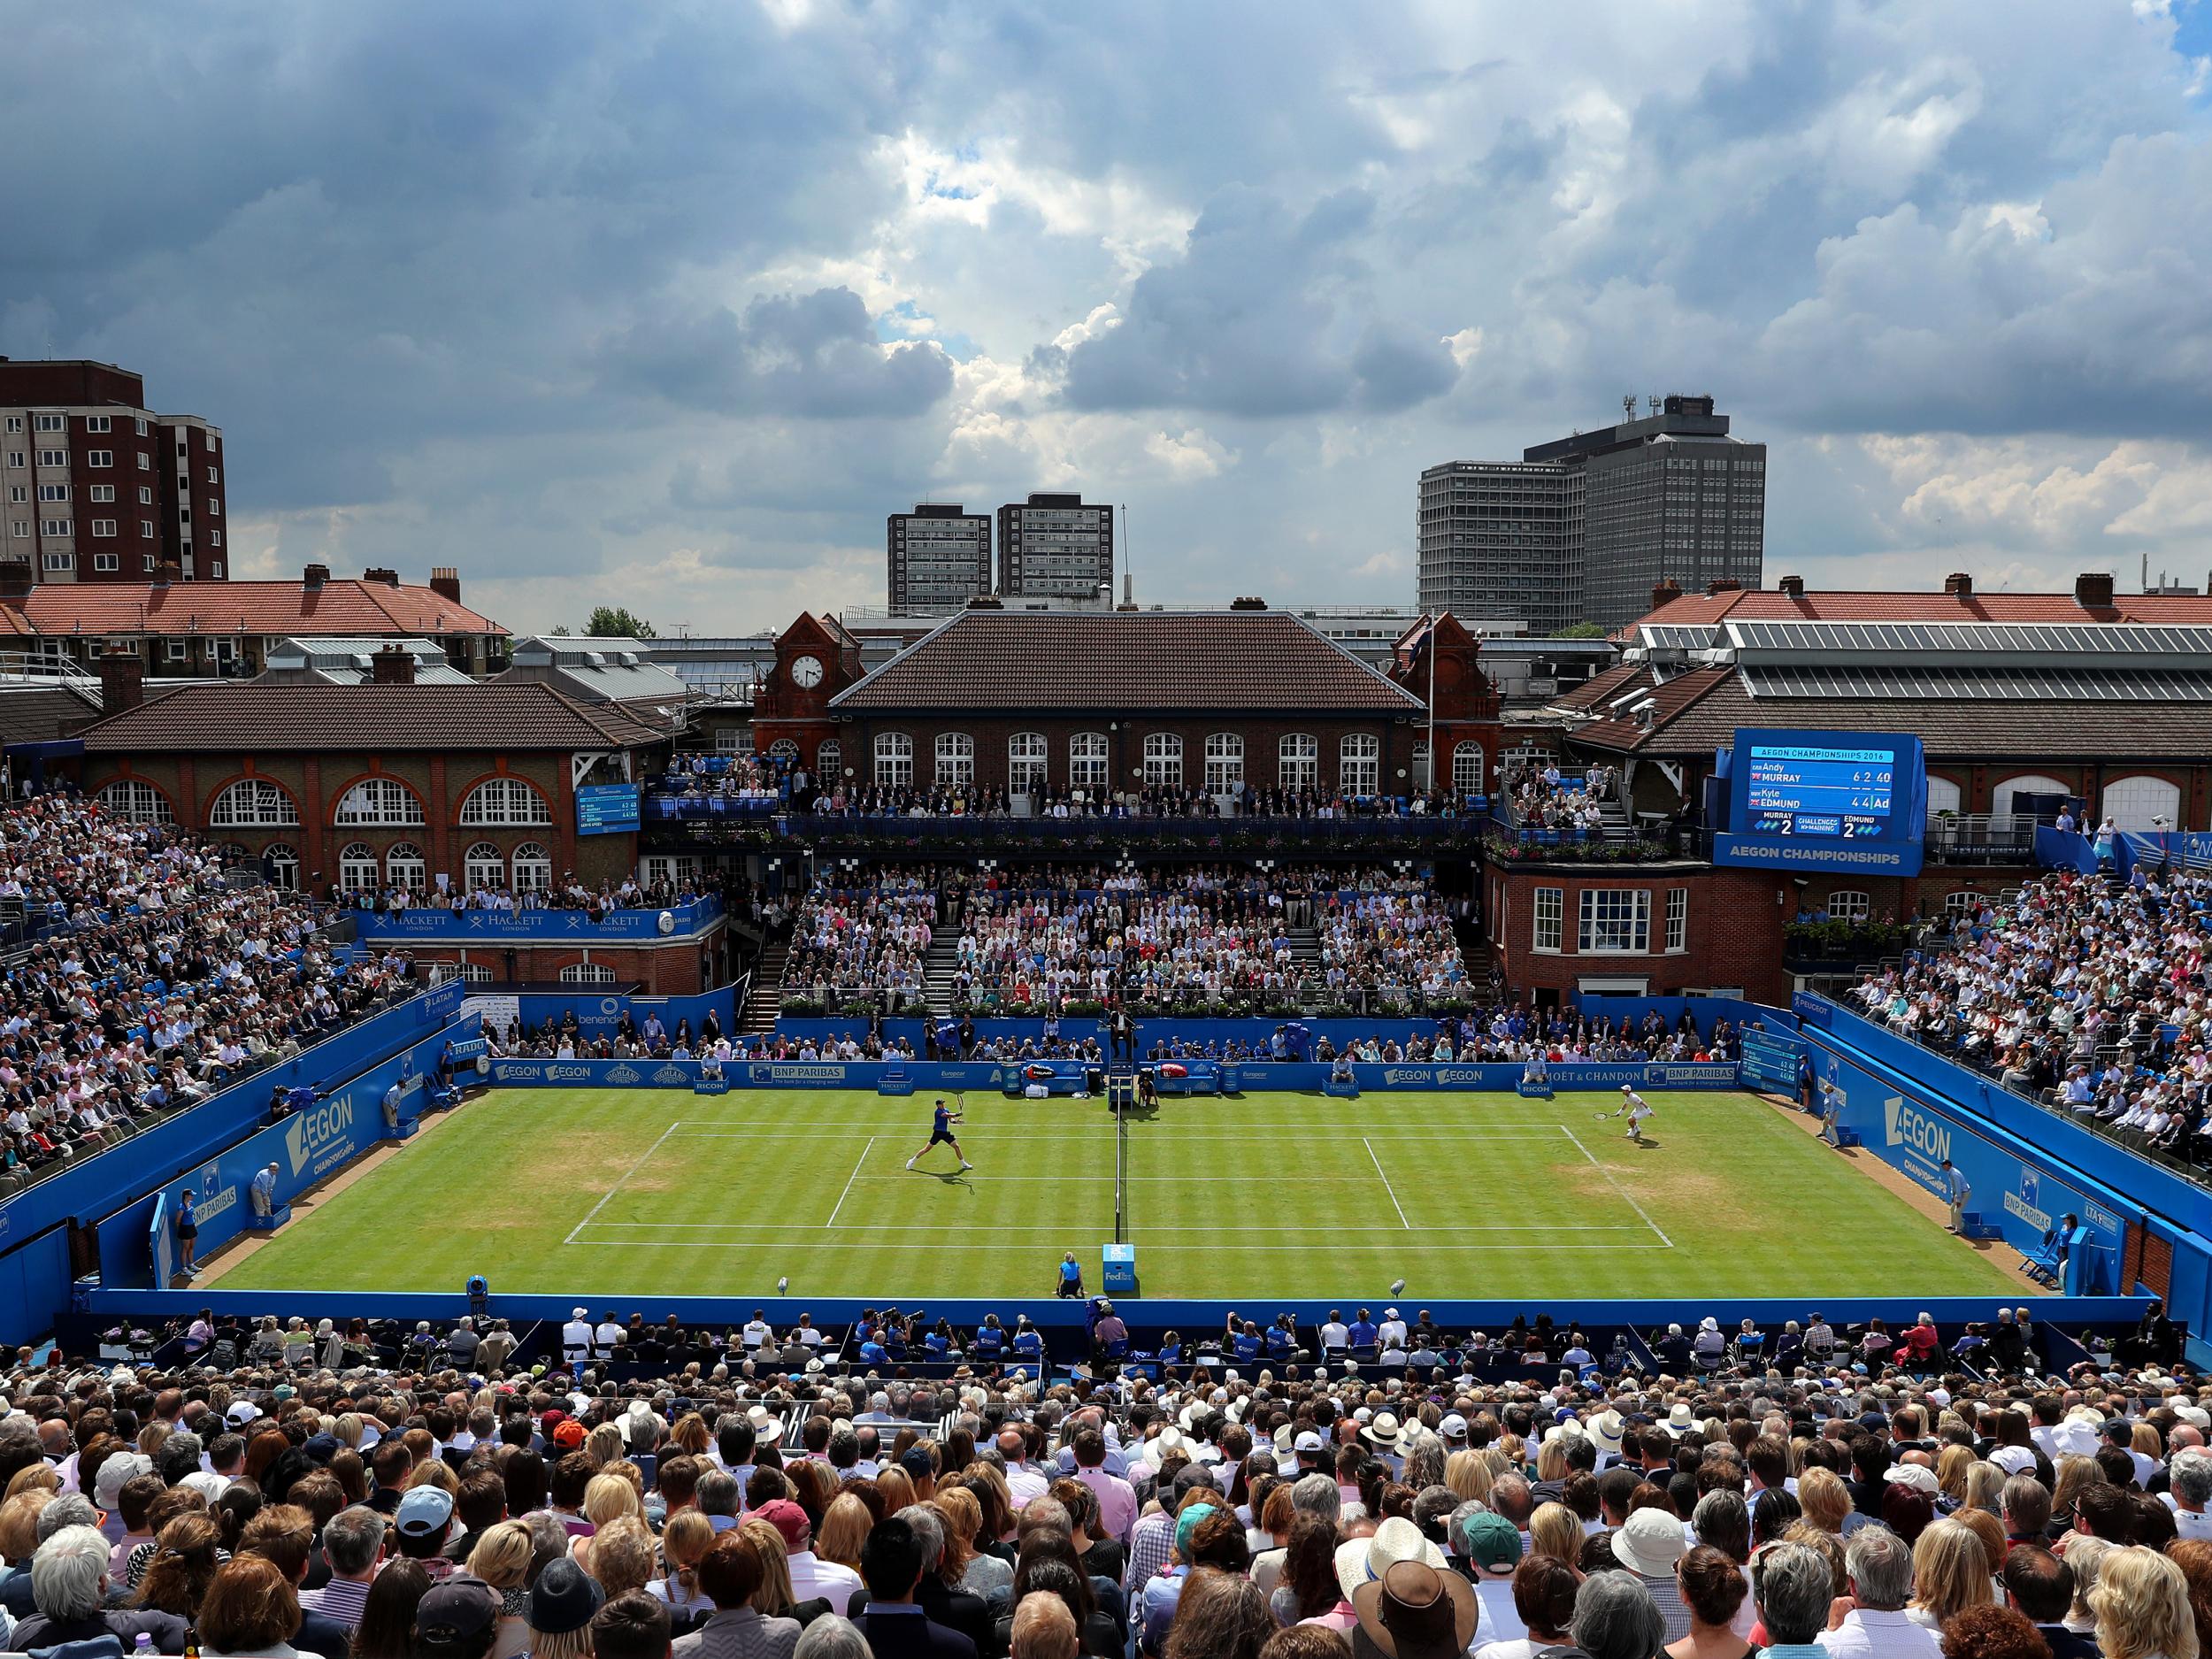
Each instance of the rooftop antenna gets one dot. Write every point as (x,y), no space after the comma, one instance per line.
(1628,406)
(1128,569)
(1653,403)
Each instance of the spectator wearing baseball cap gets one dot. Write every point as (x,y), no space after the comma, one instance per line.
(1489,1547)
(420,1527)
(454,1620)
(812,1577)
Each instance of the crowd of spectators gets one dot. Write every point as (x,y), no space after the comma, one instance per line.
(570,893)
(388,1494)
(155,980)
(876,940)
(2091,994)
(1543,797)
(1148,800)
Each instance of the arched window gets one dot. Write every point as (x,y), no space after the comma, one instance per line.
(1298,762)
(1164,760)
(1943,796)
(380,803)
(894,759)
(2033,783)
(137,803)
(252,803)
(1961,903)
(956,758)
(829,761)
(483,865)
(504,802)
(2138,803)
(533,868)
(1467,765)
(475,973)
(1419,771)
(404,866)
(281,865)
(586,973)
(358,868)
(1224,764)
(1359,764)
(1849,905)
(785,750)
(1086,761)
(1025,753)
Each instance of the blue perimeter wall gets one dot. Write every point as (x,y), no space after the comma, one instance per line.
(35,1275)
(1254,1074)
(598,1013)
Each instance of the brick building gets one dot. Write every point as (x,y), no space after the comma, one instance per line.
(1121,701)
(98,487)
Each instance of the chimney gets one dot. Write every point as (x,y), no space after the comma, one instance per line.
(1794,587)
(445,582)
(1723,585)
(314,577)
(1252,602)
(122,681)
(392,665)
(1959,585)
(2093,590)
(390,579)
(168,574)
(15,578)
(1665,592)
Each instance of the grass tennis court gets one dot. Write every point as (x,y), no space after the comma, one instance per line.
(622,1192)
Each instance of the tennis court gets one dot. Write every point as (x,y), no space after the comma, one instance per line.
(610,1192)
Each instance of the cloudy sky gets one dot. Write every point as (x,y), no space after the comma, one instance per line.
(669,306)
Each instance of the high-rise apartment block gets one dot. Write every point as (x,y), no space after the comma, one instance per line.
(939,559)
(95,486)
(1583,527)
(1054,544)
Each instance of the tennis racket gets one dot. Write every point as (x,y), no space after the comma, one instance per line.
(1606,1116)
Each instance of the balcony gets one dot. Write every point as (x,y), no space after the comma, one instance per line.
(1981,838)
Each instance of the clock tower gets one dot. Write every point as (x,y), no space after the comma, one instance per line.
(817,658)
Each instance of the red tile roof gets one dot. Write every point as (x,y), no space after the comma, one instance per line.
(242,716)
(1229,661)
(341,605)
(1767,604)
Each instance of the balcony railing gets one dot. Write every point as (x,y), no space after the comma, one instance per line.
(1309,998)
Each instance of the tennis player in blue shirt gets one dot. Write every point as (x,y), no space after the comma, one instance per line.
(941,1129)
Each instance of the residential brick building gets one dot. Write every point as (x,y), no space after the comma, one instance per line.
(95,486)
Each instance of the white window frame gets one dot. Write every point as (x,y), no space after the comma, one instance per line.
(504,804)
(1468,766)
(483,865)
(106,562)
(404,866)
(1162,760)
(1547,931)
(1613,922)
(136,801)
(1028,754)
(586,973)
(253,803)
(100,494)
(98,423)
(1225,762)
(895,760)
(1359,764)
(379,803)
(53,457)
(103,529)
(953,762)
(1298,761)
(99,458)
(358,871)
(829,761)
(53,493)
(1090,761)
(1677,920)
(532,868)
(50,423)
(285,858)
(1848,905)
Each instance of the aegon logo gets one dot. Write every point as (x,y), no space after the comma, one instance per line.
(312,1130)
(1904,1124)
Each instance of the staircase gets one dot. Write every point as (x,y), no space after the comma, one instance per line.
(937,971)
(1618,826)
(1305,958)
(764,1001)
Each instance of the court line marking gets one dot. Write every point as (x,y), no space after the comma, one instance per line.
(1057,1228)
(862,1244)
(850,1180)
(617,1187)
(1177,1135)
(1387,1187)
(1616,1186)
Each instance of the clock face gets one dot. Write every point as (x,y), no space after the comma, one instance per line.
(806,673)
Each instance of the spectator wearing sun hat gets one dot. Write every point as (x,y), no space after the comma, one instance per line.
(1649,1545)
(1414,1610)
